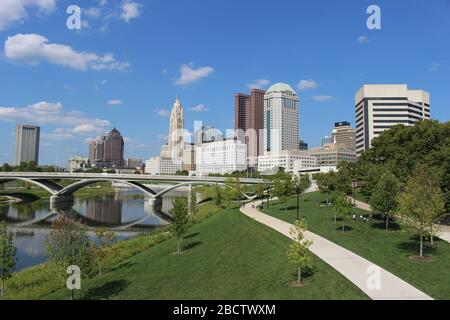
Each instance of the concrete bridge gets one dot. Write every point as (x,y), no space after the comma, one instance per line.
(48,182)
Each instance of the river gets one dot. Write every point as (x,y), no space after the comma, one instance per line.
(124,211)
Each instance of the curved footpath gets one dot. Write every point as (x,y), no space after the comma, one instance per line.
(355,268)
(444,231)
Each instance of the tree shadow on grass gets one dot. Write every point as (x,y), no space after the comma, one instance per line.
(192,235)
(393,226)
(412,247)
(346,228)
(107,290)
(121,266)
(192,245)
(306,273)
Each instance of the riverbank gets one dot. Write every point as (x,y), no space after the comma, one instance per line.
(37,282)
(227,256)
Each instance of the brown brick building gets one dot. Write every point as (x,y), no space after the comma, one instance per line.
(249,122)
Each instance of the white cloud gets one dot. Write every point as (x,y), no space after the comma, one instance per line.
(12,11)
(198,108)
(34,49)
(307,85)
(259,84)
(88,129)
(46,113)
(115,102)
(189,74)
(162,113)
(363,39)
(323,98)
(129,10)
(92,12)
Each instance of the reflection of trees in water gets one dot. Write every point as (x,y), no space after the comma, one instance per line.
(27,210)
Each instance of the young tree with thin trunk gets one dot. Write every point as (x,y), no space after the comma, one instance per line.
(384,196)
(421,203)
(298,252)
(180,220)
(193,206)
(342,207)
(102,249)
(67,245)
(7,256)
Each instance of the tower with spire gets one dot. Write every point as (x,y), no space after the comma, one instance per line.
(176,132)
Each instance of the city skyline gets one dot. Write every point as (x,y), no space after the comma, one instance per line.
(133,90)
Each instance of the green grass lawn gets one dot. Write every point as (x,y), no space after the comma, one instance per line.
(391,250)
(227,256)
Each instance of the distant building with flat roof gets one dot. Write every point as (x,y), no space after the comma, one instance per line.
(27,144)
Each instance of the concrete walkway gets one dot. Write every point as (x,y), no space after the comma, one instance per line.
(355,268)
(443,231)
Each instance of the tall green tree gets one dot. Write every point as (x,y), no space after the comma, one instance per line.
(298,252)
(421,204)
(284,188)
(384,196)
(180,220)
(342,207)
(7,256)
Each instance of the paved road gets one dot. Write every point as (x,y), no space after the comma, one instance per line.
(350,265)
(443,233)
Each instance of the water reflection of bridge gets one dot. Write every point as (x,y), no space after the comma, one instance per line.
(99,213)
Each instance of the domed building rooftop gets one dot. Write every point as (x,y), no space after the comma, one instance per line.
(281,87)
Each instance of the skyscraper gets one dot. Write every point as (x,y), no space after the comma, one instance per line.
(380,107)
(175,145)
(344,135)
(113,149)
(281,119)
(249,122)
(107,151)
(27,144)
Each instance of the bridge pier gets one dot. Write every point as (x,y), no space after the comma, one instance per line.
(64,200)
(155,203)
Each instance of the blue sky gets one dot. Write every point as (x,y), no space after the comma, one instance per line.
(131,58)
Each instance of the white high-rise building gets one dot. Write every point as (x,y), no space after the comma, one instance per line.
(175,146)
(221,157)
(281,119)
(380,107)
(27,144)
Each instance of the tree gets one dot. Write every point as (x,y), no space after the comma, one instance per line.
(284,188)
(180,220)
(298,252)
(421,204)
(193,206)
(102,249)
(260,190)
(342,207)
(326,183)
(7,256)
(384,196)
(305,184)
(217,195)
(68,244)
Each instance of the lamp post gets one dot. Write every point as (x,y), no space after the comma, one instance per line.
(298,199)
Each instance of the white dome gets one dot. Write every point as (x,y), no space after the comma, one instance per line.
(281,87)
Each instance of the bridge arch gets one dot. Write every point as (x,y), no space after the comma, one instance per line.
(184,184)
(70,189)
(47,185)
